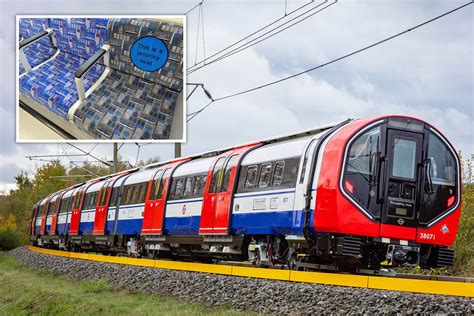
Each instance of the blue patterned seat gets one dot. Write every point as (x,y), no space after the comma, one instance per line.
(41,50)
(132,103)
(52,85)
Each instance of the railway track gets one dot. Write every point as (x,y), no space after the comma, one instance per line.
(426,284)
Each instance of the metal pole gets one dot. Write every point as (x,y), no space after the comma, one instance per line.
(115,158)
(177,150)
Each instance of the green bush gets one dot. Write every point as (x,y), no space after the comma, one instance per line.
(9,239)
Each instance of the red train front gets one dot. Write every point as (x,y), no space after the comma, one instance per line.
(388,188)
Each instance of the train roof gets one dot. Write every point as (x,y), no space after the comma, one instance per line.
(96,186)
(281,138)
(275,151)
(194,166)
(139,176)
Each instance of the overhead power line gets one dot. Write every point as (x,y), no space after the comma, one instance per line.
(330,62)
(264,36)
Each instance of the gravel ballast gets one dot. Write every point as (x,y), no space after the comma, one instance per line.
(246,294)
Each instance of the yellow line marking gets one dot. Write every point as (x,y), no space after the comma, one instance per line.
(371,282)
(273,274)
(422,286)
(330,278)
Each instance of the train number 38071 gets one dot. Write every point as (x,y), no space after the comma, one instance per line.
(427,236)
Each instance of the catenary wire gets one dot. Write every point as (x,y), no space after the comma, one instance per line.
(255,32)
(330,62)
(244,47)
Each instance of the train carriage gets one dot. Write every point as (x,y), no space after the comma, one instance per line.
(352,195)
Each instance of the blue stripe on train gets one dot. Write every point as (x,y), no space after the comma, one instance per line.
(86,228)
(182,225)
(286,222)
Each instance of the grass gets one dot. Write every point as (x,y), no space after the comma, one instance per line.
(24,291)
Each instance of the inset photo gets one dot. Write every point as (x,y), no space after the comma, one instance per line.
(101,78)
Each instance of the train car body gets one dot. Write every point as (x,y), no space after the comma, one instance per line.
(350,195)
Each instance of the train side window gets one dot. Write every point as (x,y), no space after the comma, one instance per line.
(144,188)
(251,177)
(178,193)
(264,177)
(114,196)
(216,179)
(63,205)
(126,195)
(103,193)
(77,201)
(189,187)
(136,193)
(50,208)
(156,185)
(278,173)
(199,183)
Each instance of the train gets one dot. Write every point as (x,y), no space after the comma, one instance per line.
(362,194)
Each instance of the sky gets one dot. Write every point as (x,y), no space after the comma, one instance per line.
(427,73)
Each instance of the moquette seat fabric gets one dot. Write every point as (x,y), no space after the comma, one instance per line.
(39,51)
(52,85)
(132,103)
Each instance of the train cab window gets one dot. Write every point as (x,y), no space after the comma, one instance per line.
(216,179)
(404,155)
(227,173)
(156,185)
(251,177)
(360,176)
(264,177)
(440,188)
(278,173)
(189,187)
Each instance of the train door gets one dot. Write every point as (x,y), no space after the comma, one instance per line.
(44,215)
(102,207)
(54,220)
(402,184)
(217,202)
(155,205)
(76,211)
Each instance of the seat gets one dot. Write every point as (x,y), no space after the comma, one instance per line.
(39,51)
(52,85)
(132,103)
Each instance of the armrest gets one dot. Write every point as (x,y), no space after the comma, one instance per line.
(32,39)
(89,63)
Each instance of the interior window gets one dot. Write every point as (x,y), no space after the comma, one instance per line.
(251,177)
(278,173)
(264,175)
(216,179)
(227,173)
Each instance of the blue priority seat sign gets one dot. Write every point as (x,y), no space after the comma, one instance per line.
(149,53)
